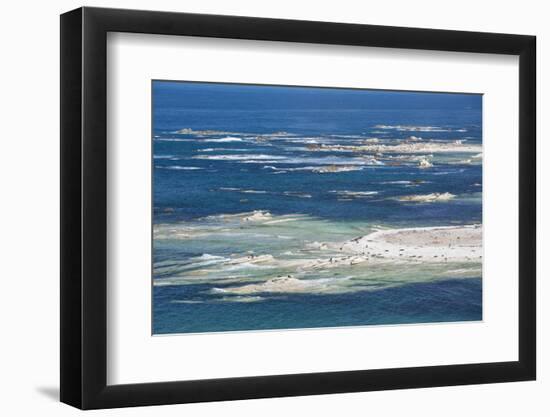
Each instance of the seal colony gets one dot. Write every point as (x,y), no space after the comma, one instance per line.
(296,265)
(434,245)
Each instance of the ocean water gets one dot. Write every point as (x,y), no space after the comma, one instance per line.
(253,185)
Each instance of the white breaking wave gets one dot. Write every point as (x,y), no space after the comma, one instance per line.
(297,194)
(358,194)
(424,163)
(171,140)
(243,157)
(224,140)
(205,259)
(224,150)
(321,169)
(427,198)
(178,167)
(410,128)
(256,215)
(208,256)
(404,147)
(254,191)
(240,190)
(396,182)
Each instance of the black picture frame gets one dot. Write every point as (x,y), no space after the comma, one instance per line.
(84,207)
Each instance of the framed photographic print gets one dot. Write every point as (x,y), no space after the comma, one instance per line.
(257,208)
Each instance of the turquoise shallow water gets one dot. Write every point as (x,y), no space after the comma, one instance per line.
(278,150)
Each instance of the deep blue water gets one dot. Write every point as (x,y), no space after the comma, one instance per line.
(271,127)
(442,301)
